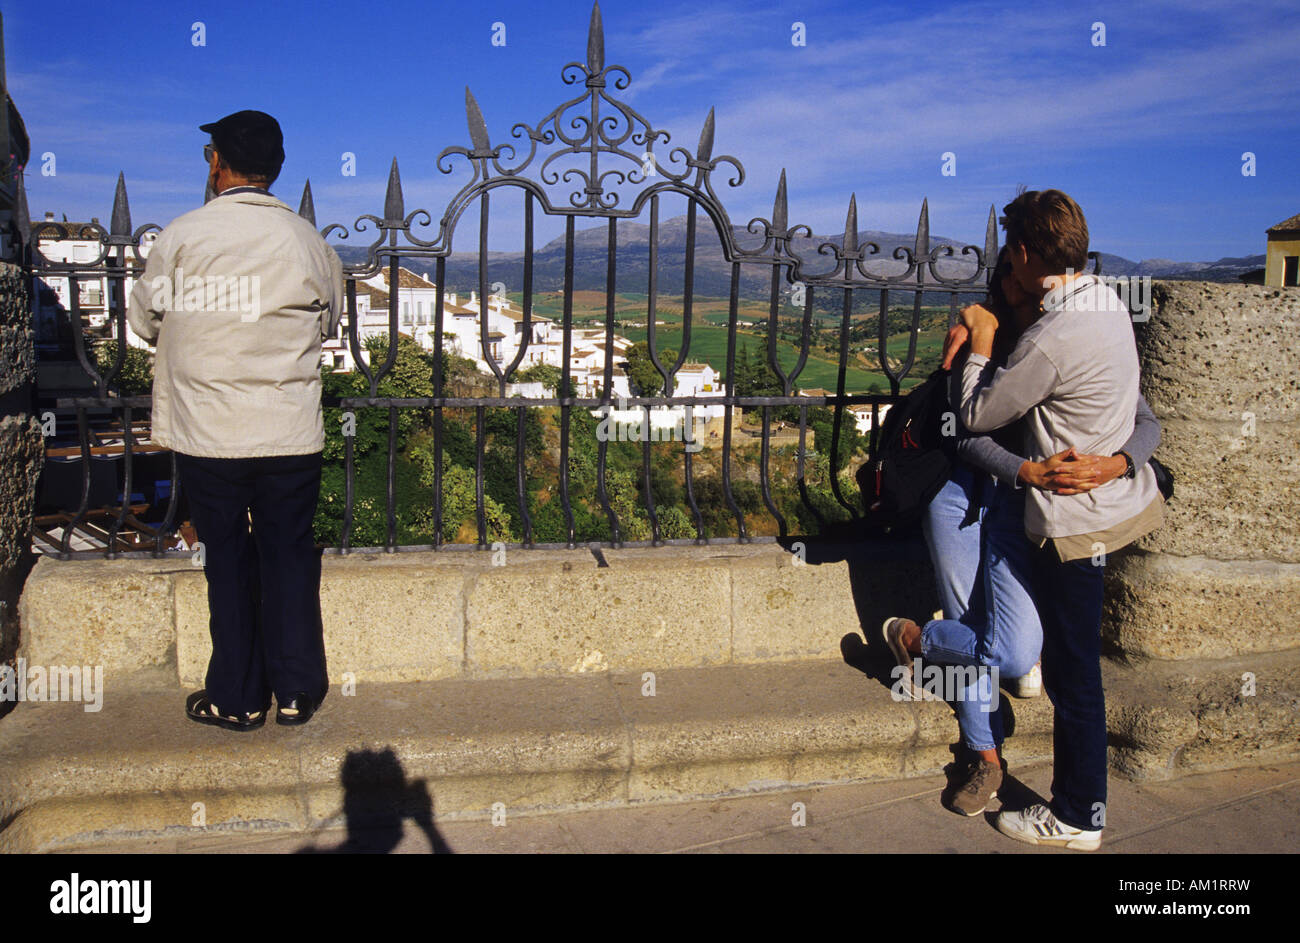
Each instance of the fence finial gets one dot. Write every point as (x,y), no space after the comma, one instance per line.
(477,126)
(780,211)
(923,233)
(595,42)
(120,222)
(991,239)
(394,207)
(705,150)
(307,209)
(851,226)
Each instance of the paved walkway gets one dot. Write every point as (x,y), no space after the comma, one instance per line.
(1235,812)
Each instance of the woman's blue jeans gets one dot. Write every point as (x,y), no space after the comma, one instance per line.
(983,565)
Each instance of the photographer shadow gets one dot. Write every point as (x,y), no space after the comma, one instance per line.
(377,800)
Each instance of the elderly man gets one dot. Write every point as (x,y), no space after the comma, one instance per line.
(238,295)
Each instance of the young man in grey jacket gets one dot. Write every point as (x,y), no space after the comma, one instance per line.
(1073,376)
(238,296)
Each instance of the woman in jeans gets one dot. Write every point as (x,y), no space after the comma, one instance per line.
(974,528)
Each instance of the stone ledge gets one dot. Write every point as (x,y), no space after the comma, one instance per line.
(1169,607)
(437,615)
(1171,718)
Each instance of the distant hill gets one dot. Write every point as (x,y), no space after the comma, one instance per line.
(1224,270)
(713,273)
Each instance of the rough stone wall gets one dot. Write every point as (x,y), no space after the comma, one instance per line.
(21,449)
(1221,578)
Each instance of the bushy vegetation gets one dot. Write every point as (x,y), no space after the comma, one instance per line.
(136,375)
(627,489)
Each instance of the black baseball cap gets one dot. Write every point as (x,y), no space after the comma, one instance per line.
(250,141)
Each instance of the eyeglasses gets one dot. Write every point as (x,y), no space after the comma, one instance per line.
(207,153)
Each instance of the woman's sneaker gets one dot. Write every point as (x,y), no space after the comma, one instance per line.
(1030,685)
(983,780)
(904,682)
(1038,826)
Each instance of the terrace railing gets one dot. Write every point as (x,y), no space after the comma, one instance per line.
(593,158)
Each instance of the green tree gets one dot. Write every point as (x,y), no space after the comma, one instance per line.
(136,376)
(545,374)
(459,502)
(645,376)
(754,376)
(410,376)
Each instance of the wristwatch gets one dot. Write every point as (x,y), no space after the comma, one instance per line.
(1130,471)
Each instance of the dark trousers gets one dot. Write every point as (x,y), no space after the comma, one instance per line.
(1069,597)
(263,585)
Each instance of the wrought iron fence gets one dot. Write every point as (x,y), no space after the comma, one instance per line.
(592,158)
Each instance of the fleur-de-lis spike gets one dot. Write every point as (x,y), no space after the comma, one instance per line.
(705,150)
(851,225)
(780,212)
(394,207)
(120,221)
(307,209)
(477,126)
(595,43)
(923,231)
(991,237)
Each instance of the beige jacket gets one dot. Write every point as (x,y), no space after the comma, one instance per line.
(238,296)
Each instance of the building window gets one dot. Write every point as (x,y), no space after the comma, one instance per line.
(91,295)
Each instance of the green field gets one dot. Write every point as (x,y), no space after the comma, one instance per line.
(709,338)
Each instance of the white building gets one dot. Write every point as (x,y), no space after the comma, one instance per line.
(461,325)
(862,416)
(53,293)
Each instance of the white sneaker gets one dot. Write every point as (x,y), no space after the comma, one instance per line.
(1038,826)
(1030,685)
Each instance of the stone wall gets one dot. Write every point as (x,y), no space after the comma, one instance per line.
(21,449)
(1221,578)
(426,616)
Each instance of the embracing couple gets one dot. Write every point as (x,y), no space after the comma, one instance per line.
(1052,475)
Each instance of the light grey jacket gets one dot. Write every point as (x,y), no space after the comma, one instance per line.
(238,296)
(1074,376)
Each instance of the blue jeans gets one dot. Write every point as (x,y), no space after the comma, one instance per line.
(984,566)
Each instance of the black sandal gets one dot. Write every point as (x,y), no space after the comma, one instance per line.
(297,710)
(200,709)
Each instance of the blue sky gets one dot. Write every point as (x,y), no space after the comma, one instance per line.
(1146,132)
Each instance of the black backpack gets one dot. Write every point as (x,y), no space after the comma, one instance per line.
(913,458)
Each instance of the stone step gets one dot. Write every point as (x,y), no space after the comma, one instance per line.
(137,769)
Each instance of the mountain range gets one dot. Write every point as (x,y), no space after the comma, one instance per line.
(713,273)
